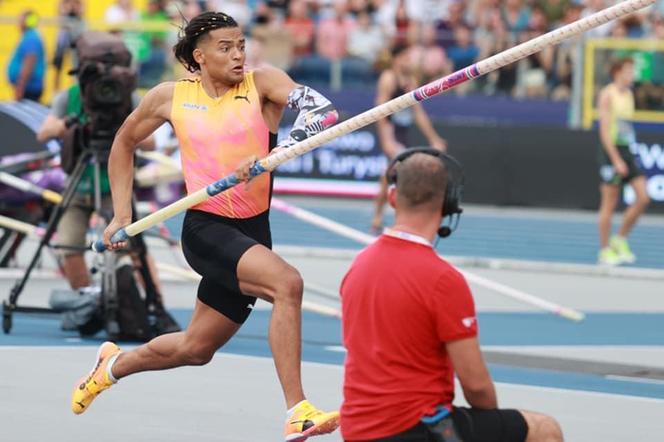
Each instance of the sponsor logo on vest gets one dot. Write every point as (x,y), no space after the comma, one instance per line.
(195,106)
(242,97)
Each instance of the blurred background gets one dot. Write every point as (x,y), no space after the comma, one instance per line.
(527,136)
(536,117)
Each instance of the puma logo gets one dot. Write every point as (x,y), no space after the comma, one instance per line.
(242,97)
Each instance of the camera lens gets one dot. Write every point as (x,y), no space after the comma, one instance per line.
(107,91)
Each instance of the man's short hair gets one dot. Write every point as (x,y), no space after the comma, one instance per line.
(422,182)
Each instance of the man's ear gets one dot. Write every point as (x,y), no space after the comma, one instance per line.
(392,195)
(198,56)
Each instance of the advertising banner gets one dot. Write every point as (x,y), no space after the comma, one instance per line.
(505,166)
(649,149)
(348,166)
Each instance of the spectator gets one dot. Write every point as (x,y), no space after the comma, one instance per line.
(503,81)
(366,40)
(272,41)
(280,6)
(515,17)
(28,64)
(356,7)
(238,9)
(486,14)
(122,11)
(153,55)
(591,7)
(554,9)
(564,65)
(619,29)
(650,94)
(447,27)
(301,27)
(634,24)
(190,9)
(392,17)
(537,68)
(478,12)
(332,33)
(463,52)
(565,56)
(428,56)
(70,14)
(572,13)
(428,11)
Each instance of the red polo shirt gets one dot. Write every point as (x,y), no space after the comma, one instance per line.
(401,302)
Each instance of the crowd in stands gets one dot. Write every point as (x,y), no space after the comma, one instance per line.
(318,41)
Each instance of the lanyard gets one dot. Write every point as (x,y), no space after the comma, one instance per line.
(406,236)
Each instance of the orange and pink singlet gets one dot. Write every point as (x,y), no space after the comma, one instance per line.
(216,135)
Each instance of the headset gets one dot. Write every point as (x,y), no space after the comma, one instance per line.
(453,192)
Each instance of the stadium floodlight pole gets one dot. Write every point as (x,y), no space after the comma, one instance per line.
(400,103)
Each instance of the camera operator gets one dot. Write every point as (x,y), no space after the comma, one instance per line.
(72,228)
(71,232)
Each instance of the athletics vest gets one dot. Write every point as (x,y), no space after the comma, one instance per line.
(216,135)
(621,128)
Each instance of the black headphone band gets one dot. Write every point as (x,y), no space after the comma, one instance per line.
(454,187)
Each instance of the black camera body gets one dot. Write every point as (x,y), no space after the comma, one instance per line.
(107,81)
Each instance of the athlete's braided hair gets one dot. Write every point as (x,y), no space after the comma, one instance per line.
(198,27)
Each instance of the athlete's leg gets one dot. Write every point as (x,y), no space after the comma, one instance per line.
(264,274)
(635,210)
(609,194)
(379,205)
(207,332)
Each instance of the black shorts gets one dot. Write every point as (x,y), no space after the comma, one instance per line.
(608,174)
(471,425)
(213,246)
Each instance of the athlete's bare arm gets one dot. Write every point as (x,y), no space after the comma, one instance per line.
(151,113)
(424,123)
(316,113)
(604,108)
(277,90)
(387,85)
(274,86)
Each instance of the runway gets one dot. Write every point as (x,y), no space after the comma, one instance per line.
(602,378)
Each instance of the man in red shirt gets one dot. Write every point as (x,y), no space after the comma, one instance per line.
(409,324)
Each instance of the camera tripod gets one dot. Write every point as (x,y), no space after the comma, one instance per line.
(159,320)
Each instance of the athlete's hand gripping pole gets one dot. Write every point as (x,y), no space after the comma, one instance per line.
(400,103)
